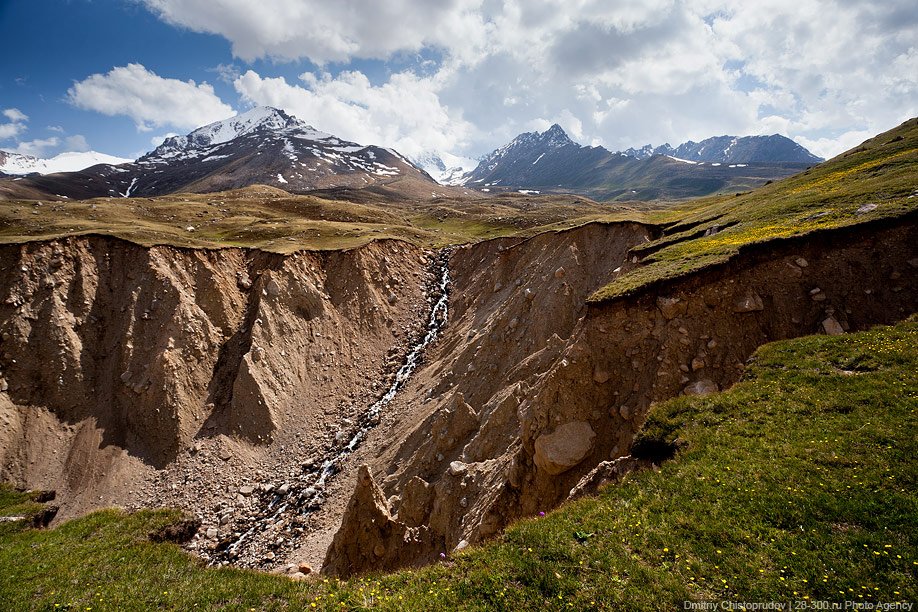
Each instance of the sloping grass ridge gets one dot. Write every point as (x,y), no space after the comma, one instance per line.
(877,180)
(798,484)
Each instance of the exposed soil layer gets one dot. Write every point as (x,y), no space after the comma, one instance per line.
(214,380)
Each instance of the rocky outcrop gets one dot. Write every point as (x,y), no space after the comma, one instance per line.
(371,537)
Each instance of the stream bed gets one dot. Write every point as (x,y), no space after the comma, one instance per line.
(279,516)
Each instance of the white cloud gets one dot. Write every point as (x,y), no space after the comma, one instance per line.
(405,112)
(621,74)
(325,31)
(149,99)
(77,142)
(15,115)
(10,130)
(37,147)
(16,125)
(226,72)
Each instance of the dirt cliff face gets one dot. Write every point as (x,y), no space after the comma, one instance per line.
(119,361)
(528,392)
(222,381)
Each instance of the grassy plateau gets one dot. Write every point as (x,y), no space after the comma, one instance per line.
(273,220)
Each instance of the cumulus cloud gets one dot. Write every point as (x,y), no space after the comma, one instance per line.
(324,31)
(15,115)
(16,124)
(77,142)
(825,73)
(39,147)
(405,112)
(149,99)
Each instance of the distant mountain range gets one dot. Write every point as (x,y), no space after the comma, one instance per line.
(261,146)
(18,164)
(551,161)
(733,150)
(268,146)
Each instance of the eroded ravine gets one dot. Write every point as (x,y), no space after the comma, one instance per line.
(281,513)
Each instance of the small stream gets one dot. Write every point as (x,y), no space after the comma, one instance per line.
(289,505)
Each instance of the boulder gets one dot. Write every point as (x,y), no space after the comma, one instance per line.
(273,288)
(751,302)
(671,307)
(832,327)
(601,376)
(564,448)
(701,387)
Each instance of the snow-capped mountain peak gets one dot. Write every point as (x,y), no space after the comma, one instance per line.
(264,119)
(732,149)
(445,168)
(263,145)
(556,136)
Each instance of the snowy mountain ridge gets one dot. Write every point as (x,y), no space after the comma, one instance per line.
(263,145)
(731,150)
(18,164)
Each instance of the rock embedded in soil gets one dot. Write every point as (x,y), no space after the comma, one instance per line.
(832,327)
(701,387)
(564,448)
(751,302)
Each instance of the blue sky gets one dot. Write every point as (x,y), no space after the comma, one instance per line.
(459,76)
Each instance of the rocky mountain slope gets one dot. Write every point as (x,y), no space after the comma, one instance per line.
(261,146)
(18,164)
(551,161)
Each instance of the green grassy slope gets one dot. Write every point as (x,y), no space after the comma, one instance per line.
(799,483)
(877,180)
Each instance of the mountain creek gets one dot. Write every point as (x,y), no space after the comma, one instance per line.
(372,408)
